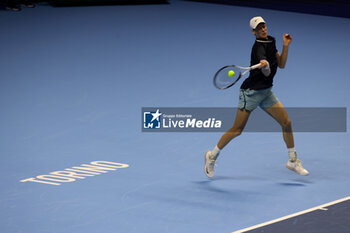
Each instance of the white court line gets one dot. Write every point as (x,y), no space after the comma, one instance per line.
(321,207)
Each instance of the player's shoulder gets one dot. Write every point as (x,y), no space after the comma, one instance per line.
(271,38)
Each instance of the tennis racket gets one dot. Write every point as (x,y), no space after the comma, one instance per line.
(227,76)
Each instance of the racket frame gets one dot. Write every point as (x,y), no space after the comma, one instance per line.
(246,69)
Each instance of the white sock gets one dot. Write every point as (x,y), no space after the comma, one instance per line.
(292,154)
(215,152)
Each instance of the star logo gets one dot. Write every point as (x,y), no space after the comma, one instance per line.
(156,115)
(151,119)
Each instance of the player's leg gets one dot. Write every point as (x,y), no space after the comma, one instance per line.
(248,101)
(278,112)
(242,116)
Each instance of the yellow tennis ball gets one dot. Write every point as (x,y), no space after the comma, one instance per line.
(231,73)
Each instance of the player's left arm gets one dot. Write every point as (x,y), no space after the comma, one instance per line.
(282,58)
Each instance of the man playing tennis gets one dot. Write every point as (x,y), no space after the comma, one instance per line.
(256,91)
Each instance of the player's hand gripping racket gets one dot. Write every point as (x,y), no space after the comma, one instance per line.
(227,76)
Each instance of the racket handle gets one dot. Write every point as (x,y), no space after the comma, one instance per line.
(255,66)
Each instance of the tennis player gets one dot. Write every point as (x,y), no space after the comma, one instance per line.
(256,91)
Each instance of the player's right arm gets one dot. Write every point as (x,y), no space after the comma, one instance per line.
(260,53)
(263,63)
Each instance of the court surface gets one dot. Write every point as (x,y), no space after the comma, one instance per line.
(72,86)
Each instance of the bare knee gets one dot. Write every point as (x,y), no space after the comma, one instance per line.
(287,124)
(236,131)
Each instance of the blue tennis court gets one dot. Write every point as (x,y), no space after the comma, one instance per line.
(73,84)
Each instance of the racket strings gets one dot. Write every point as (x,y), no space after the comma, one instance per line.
(227,76)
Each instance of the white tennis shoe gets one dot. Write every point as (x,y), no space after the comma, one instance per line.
(297,167)
(209,164)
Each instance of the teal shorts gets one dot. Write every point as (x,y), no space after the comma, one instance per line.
(251,99)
